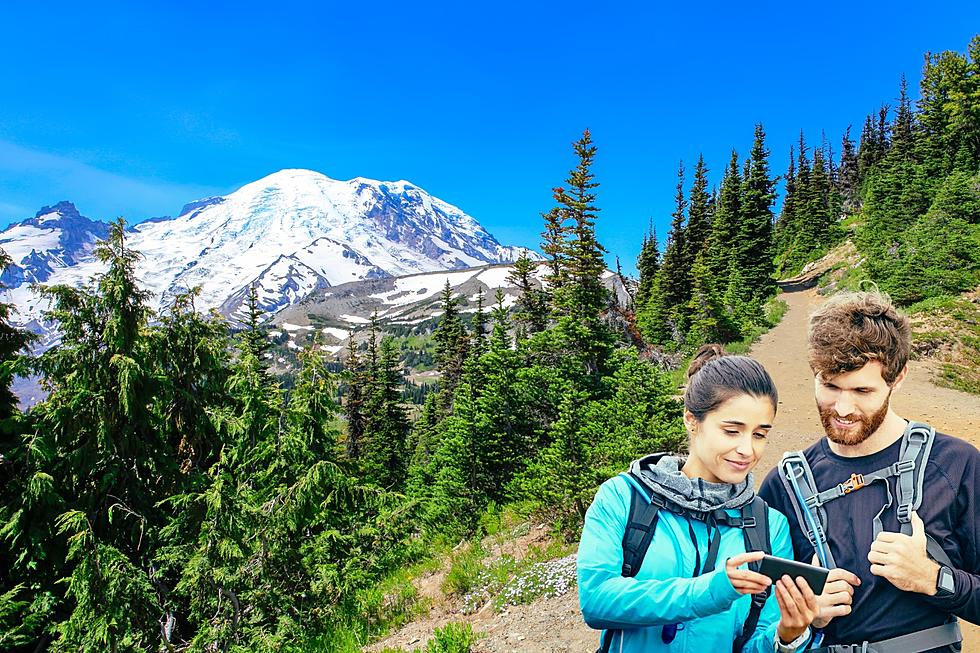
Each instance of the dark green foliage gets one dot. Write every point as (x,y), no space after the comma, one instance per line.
(725,221)
(255,335)
(647,264)
(584,296)
(384,460)
(849,175)
(663,318)
(709,318)
(531,312)
(912,183)
(452,344)
(754,250)
(697,233)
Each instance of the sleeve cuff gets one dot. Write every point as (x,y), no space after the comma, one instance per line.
(793,646)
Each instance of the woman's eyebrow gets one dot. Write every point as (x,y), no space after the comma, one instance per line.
(735,422)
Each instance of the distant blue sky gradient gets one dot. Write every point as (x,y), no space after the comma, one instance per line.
(135,109)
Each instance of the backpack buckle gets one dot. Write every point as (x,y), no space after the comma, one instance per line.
(856,482)
(904,511)
(903,466)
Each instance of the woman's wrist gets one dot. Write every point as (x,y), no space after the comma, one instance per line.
(787,635)
(785,643)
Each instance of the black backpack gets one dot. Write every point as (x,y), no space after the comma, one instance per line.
(642,522)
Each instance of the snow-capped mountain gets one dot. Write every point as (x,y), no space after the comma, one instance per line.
(288,234)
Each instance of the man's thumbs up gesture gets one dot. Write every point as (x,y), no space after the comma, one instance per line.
(903,561)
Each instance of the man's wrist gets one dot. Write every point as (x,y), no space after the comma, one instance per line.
(930,579)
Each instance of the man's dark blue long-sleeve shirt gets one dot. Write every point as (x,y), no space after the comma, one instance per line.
(950,510)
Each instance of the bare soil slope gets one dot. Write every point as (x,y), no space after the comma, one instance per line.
(555,625)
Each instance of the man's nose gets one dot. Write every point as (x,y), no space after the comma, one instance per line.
(844,405)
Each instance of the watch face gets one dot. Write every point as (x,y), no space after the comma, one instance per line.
(946,583)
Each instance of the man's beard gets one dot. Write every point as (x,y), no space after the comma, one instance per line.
(868,424)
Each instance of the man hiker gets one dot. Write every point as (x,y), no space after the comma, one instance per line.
(887,503)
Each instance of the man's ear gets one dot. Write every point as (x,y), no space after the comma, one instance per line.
(900,378)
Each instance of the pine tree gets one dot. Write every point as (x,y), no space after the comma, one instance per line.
(479,325)
(452,345)
(664,318)
(586,295)
(357,377)
(902,131)
(787,224)
(312,407)
(191,354)
(724,225)
(815,230)
(869,150)
(647,264)
(99,465)
(755,251)
(849,178)
(256,336)
(385,455)
(555,246)
(698,230)
(709,319)
(531,312)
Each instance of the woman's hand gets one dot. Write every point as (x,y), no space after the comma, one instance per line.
(797,608)
(746,581)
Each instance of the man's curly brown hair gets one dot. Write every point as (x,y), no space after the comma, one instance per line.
(852,329)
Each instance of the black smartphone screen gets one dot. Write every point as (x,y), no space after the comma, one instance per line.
(775,568)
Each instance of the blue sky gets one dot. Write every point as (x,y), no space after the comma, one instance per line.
(134,109)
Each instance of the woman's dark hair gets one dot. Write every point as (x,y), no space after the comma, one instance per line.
(714,377)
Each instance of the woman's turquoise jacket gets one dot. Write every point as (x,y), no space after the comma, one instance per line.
(632,611)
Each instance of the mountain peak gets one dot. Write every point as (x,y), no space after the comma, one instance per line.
(63,208)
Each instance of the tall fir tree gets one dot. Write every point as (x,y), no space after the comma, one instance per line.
(385,458)
(755,248)
(586,296)
(647,264)
(849,177)
(452,346)
(698,230)
(725,221)
(664,318)
(531,312)
(356,380)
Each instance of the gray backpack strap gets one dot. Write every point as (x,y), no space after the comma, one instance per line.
(797,478)
(929,639)
(916,447)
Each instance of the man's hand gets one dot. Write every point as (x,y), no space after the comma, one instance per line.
(903,561)
(838,593)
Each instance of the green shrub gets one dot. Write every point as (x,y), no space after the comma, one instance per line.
(453,638)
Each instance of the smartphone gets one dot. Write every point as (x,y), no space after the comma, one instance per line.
(775,568)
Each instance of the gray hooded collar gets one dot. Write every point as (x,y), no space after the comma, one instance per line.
(662,474)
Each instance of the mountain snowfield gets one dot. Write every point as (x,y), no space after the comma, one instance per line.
(333,315)
(289,234)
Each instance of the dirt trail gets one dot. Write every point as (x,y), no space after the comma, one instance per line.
(555,625)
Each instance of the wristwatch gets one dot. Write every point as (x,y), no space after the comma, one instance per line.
(795,644)
(945,582)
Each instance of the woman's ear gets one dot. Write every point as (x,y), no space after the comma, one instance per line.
(691,422)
